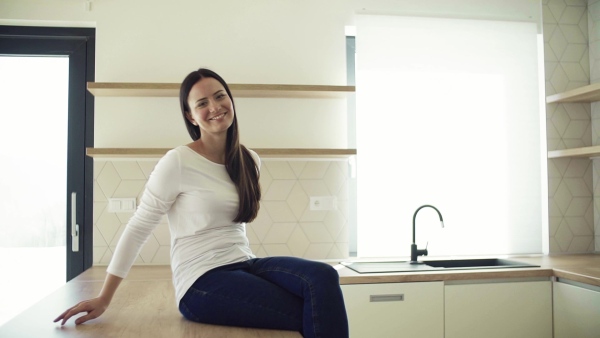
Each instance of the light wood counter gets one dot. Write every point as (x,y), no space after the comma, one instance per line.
(584,268)
(144,305)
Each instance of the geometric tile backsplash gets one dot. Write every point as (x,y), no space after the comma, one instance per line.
(285,224)
(569,125)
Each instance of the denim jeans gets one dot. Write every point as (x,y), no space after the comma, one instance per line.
(284,293)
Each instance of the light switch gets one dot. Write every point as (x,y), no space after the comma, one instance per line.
(121,204)
(114,205)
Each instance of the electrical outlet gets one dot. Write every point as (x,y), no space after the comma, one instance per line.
(323,203)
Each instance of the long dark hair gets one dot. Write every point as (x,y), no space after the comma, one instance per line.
(239,163)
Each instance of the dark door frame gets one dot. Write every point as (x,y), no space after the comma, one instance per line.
(79,45)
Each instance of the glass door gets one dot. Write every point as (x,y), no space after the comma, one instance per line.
(46,122)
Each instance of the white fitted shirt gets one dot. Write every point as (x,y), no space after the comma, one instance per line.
(200,202)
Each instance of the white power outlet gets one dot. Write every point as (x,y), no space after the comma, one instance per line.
(323,203)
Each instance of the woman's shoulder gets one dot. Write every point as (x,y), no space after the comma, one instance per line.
(173,157)
(174,153)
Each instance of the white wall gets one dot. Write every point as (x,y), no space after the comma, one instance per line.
(259,41)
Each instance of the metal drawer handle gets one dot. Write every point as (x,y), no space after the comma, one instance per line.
(387,298)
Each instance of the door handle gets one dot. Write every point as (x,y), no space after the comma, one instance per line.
(74,225)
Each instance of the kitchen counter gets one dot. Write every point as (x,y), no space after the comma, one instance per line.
(144,305)
(584,268)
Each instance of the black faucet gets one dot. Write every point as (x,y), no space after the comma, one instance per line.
(414,252)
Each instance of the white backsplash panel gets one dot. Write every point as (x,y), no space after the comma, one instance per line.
(285,225)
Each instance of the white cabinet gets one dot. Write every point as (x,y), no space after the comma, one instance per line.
(576,311)
(395,309)
(499,309)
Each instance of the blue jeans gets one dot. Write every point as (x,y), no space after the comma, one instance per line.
(284,293)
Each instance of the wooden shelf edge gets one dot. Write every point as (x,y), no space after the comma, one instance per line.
(237,90)
(593,151)
(303,152)
(133,153)
(589,93)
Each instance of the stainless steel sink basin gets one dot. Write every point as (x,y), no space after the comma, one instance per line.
(435,265)
(482,263)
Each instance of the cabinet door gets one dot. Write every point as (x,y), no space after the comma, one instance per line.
(507,309)
(395,309)
(576,311)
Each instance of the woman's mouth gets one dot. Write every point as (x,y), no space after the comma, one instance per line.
(217,117)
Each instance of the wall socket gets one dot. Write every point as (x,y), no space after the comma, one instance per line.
(121,204)
(323,203)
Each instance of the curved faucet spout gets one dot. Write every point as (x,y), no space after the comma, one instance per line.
(414,252)
(415,217)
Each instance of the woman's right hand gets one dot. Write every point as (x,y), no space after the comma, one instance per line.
(94,308)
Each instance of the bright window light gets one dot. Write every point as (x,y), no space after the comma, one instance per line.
(33,179)
(448,114)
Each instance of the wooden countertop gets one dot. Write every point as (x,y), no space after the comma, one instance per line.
(144,305)
(584,268)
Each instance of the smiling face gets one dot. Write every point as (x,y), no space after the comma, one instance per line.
(210,107)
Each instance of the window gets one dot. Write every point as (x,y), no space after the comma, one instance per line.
(449,114)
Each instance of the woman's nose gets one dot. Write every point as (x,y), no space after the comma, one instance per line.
(213,107)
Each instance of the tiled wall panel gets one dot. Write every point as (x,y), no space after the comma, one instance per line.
(285,224)
(567,66)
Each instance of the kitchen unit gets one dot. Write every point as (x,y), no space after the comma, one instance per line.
(151,286)
(452,309)
(496,308)
(514,302)
(392,309)
(576,310)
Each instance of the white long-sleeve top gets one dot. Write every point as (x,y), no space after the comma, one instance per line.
(200,202)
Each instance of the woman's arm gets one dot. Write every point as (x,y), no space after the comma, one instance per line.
(161,191)
(95,306)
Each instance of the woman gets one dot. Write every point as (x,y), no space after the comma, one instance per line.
(209,189)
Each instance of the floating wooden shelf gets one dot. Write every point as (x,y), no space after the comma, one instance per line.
(593,151)
(237,90)
(589,93)
(134,153)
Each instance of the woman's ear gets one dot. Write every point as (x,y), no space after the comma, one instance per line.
(189,117)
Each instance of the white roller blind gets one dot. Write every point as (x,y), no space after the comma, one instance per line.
(448,114)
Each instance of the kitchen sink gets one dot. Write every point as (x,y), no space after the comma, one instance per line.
(435,265)
(375,267)
(490,263)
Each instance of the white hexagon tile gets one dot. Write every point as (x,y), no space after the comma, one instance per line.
(285,224)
